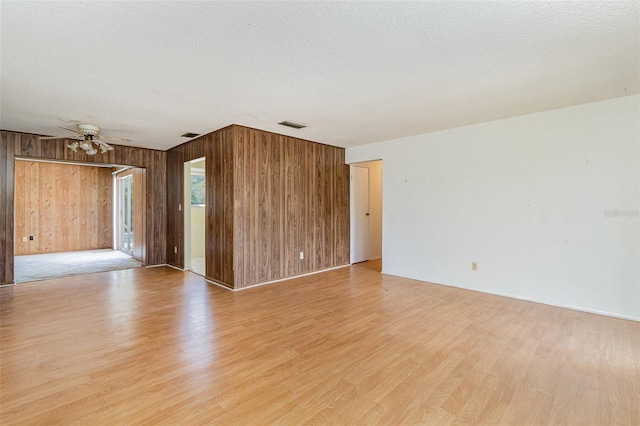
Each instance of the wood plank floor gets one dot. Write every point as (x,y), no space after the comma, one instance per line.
(349,346)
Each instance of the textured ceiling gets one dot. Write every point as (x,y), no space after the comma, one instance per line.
(354,72)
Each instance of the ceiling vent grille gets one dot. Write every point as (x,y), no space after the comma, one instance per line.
(292,125)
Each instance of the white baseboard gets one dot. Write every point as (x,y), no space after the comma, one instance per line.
(217,284)
(170,266)
(292,278)
(526,299)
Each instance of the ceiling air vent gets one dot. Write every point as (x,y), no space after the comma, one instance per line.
(190,135)
(292,124)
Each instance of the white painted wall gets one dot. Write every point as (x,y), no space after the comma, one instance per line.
(197,230)
(546,203)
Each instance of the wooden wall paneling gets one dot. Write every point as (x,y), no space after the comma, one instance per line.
(293,197)
(219,247)
(62,225)
(48,189)
(329,208)
(130,156)
(22,186)
(239,203)
(106,209)
(52,149)
(89,206)
(290,197)
(279,195)
(197,148)
(270,166)
(175,214)
(228,215)
(64,207)
(289,224)
(33,215)
(72,224)
(176,157)
(318,237)
(296,207)
(344,212)
(309,203)
(261,191)
(30,146)
(7,151)
(27,145)
(156,207)
(142,252)
(139,218)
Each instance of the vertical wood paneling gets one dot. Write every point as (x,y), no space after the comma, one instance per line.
(27,145)
(240,201)
(291,197)
(139,218)
(176,157)
(219,247)
(175,197)
(52,149)
(217,148)
(154,162)
(7,150)
(75,216)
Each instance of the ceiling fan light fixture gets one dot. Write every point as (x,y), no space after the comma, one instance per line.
(73,146)
(88,129)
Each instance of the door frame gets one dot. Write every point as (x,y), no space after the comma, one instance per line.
(374,225)
(357,222)
(187,213)
(121,214)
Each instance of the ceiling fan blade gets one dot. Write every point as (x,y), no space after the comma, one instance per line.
(116,139)
(44,138)
(65,120)
(71,130)
(103,145)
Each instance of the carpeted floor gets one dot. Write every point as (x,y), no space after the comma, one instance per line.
(35,267)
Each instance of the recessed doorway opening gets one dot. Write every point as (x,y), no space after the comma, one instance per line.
(194,215)
(366,213)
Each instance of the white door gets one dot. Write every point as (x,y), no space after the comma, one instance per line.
(359,214)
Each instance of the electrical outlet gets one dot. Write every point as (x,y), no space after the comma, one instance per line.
(301,255)
(474,266)
(175,249)
(24,239)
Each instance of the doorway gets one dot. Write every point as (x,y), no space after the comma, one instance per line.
(194,215)
(66,219)
(366,212)
(129,201)
(125,225)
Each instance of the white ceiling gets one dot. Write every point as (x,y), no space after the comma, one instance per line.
(354,72)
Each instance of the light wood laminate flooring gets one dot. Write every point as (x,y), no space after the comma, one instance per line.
(348,346)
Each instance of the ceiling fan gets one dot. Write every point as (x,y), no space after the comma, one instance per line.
(89,139)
